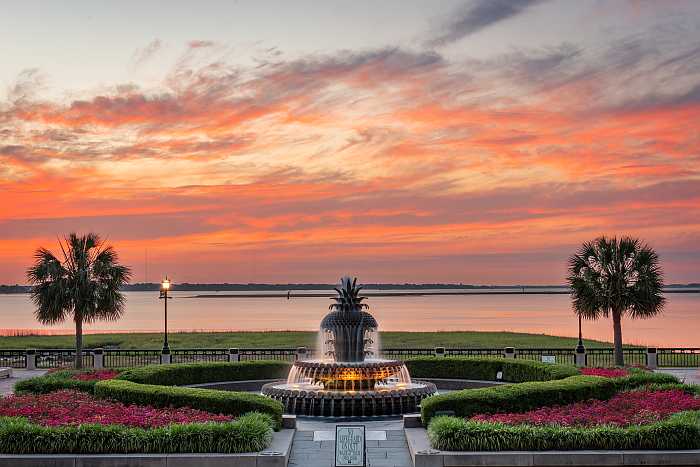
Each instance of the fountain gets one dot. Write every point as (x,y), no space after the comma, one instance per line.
(349,378)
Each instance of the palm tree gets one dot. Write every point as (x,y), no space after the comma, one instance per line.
(85,284)
(616,277)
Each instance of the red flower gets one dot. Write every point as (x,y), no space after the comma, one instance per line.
(605,372)
(626,408)
(96,375)
(75,408)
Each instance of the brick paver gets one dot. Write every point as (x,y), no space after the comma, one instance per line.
(18,374)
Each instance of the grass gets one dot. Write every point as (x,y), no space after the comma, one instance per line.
(185,340)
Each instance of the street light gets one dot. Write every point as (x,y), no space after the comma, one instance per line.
(580,348)
(164,287)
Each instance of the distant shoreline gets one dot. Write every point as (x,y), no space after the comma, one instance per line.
(407,294)
(391,290)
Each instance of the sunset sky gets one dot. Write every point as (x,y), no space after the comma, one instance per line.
(400,141)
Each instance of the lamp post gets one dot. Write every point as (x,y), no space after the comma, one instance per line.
(580,348)
(164,287)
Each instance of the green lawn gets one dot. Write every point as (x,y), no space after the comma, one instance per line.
(293,339)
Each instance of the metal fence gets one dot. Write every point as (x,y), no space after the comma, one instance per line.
(199,355)
(119,358)
(14,358)
(57,358)
(667,357)
(116,358)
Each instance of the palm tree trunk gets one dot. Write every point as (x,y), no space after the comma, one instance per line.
(78,343)
(617,326)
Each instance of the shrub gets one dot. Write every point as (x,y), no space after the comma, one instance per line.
(220,402)
(681,431)
(197,373)
(79,380)
(527,396)
(486,368)
(250,433)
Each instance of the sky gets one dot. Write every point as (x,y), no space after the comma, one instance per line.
(399,141)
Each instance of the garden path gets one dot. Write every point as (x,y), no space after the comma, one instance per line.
(314,446)
(6,384)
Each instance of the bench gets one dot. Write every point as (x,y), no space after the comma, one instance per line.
(5,372)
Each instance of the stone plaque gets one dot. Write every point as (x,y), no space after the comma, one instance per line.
(350,446)
(549,359)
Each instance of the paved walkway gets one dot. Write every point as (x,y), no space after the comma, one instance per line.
(314,445)
(686,375)
(18,374)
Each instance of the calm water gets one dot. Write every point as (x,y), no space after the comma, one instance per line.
(550,314)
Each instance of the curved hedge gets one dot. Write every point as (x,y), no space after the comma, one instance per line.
(179,374)
(56,381)
(527,396)
(249,433)
(680,431)
(224,402)
(486,368)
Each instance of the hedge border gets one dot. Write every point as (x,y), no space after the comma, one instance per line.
(179,374)
(56,381)
(249,433)
(487,368)
(680,431)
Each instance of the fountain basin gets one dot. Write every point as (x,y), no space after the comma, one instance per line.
(331,403)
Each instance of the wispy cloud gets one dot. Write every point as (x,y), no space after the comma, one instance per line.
(144,54)
(476,15)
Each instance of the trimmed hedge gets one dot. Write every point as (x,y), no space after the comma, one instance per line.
(527,396)
(250,433)
(680,431)
(486,368)
(224,402)
(55,381)
(179,374)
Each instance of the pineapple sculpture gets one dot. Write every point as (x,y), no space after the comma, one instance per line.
(347,329)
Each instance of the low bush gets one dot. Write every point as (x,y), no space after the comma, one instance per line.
(527,396)
(219,402)
(79,380)
(487,368)
(680,431)
(250,433)
(179,374)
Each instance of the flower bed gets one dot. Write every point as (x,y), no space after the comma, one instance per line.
(96,375)
(605,372)
(68,407)
(624,409)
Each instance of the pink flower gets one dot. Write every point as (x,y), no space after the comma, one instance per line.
(74,408)
(605,372)
(96,375)
(625,409)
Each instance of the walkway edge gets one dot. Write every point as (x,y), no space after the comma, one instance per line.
(424,456)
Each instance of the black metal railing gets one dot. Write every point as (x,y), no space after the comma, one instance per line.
(118,358)
(199,355)
(13,358)
(408,352)
(288,354)
(57,358)
(605,357)
(678,357)
(560,355)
